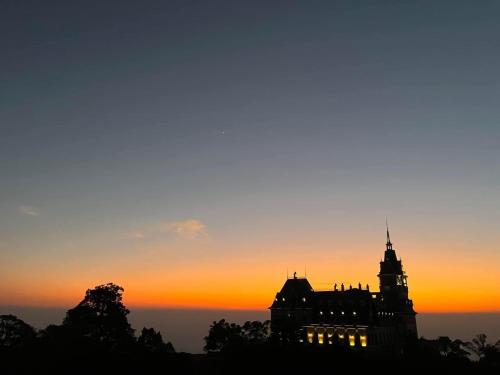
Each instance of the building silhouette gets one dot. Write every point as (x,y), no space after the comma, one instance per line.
(349,316)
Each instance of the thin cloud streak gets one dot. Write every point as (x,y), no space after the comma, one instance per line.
(191,228)
(185,229)
(28,210)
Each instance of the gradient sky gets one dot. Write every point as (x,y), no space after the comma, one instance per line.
(193,151)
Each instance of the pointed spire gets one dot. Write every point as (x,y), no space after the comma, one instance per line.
(388,244)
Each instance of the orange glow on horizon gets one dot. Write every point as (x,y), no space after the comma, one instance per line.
(438,283)
(240,297)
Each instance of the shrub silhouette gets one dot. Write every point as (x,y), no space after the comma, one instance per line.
(15,333)
(152,341)
(487,353)
(223,335)
(452,348)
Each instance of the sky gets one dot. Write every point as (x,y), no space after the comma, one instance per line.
(195,152)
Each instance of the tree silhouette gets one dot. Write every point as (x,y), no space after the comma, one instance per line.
(452,349)
(256,332)
(223,335)
(15,333)
(478,345)
(101,316)
(153,342)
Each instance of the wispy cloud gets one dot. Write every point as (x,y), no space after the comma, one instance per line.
(185,229)
(136,235)
(191,228)
(28,210)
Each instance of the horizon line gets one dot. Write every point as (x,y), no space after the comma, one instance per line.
(222,308)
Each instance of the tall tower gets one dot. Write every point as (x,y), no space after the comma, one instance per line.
(394,291)
(392,277)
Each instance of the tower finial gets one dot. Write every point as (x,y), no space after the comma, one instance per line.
(388,244)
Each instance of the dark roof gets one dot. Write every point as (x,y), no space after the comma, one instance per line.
(297,285)
(293,292)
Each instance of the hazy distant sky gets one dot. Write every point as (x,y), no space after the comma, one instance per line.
(193,151)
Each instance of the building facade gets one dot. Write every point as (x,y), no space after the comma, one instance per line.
(349,316)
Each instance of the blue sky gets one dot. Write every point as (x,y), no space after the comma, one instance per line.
(267,122)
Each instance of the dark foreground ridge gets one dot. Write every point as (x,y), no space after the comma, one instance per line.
(95,337)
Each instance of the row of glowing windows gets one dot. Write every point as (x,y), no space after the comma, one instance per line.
(304,299)
(342,313)
(321,312)
(327,334)
(354,313)
(283,299)
(382,313)
(331,313)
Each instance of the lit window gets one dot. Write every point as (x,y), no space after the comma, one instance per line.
(342,312)
(362,339)
(283,299)
(320,337)
(329,334)
(310,335)
(321,313)
(352,340)
(331,312)
(303,299)
(340,332)
(354,313)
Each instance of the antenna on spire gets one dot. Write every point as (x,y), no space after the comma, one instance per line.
(305,271)
(388,244)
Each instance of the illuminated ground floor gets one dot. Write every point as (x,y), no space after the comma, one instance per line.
(347,335)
